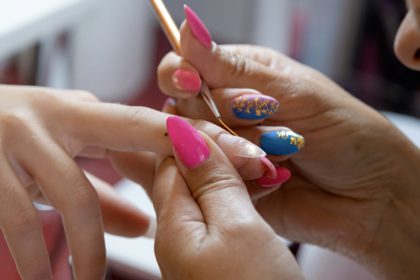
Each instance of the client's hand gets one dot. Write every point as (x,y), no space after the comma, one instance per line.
(354,187)
(207,227)
(41,131)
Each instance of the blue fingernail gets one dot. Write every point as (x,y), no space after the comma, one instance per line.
(254,106)
(281,142)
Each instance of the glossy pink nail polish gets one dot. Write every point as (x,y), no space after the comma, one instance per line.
(185,80)
(283,174)
(189,145)
(197,27)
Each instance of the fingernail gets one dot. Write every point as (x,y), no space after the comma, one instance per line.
(189,145)
(254,106)
(281,142)
(185,80)
(282,175)
(270,169)
(198,29)
(239,146)
(169,102)
(151,231)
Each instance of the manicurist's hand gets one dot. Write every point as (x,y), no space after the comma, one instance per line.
(207,226)
(41,131)
(354,187)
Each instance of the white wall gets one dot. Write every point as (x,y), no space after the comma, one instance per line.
(262,22)
(113,50)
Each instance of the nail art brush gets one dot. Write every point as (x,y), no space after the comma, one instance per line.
(172,33)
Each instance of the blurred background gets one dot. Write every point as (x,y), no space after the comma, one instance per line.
(112,48)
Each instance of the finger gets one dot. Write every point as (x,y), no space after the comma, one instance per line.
(172,199)
(68,190)
(278,142)
(263,55)
(248,168)
(144,129)
(22,227)
(177,78)
(138,167)
(239,107)
(120,217)
(211,178)
(223,68)
(76,94)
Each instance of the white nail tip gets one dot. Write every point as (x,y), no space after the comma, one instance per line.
(151,231)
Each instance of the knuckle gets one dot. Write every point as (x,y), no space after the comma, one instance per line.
(24,218)
(239,65)
(17,120)
(219,180)
(40,97)
(83,197)
(86,95)
(236,64)
(134,114)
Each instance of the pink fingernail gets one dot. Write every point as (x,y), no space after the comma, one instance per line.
(190,146)
(198,28)
(283,174)
(186,80)
(270,169)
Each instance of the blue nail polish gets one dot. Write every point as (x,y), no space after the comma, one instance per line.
(281,142)
(254,106)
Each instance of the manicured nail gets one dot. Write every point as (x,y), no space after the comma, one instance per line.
(151,230)
(254,106)
(281,142)
(186,80)
(169,102)
(189,145)
(270,169)
(198,29)
(239,146)
(283,174)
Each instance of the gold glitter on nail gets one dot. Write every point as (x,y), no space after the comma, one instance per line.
(259,106)
(295,139)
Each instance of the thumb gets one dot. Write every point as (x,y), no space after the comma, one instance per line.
(211,178)
(222,67)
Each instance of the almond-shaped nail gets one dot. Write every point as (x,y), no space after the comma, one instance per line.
(254,106)
(281,142)
(198,29)
(189,145)
(239,146)
(283,174)
(186,80)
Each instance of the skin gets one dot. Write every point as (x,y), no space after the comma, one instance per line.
(355,186)
(207,225)
(40,134)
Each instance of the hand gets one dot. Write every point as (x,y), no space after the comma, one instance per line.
(207,227)
(354,184)
(41,131)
